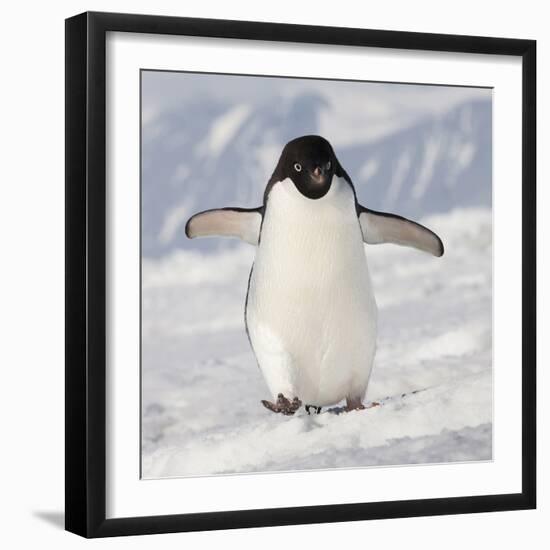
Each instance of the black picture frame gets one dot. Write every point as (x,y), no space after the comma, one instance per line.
(85,493)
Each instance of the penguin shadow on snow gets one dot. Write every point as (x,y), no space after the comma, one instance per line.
(398,401)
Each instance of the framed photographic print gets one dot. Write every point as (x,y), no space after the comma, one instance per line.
(300,274)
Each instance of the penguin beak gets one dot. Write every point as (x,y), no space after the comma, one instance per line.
(318,176)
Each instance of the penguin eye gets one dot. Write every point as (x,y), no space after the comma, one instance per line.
(329,164)
(298,167)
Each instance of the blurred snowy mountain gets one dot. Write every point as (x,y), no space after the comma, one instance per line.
(207,153)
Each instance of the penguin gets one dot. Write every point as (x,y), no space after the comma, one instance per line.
(310,310)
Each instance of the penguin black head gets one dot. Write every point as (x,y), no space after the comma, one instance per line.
(310,162)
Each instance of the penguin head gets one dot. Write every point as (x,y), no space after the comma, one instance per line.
(310,162)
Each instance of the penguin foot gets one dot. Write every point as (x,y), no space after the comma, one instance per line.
(357,405)
(283,405)
(317,410)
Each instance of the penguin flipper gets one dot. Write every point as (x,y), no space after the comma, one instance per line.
(381,227)
(241,223)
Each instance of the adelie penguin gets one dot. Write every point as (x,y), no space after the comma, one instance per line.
(310,310)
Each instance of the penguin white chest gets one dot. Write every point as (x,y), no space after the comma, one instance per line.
(311,313)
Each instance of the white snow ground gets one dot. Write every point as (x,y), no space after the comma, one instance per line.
(201,388)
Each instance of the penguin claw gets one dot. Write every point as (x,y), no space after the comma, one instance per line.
(358,406)
(316,409)
(283,405)
(349,408)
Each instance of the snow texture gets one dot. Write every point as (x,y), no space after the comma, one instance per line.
(201,411)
